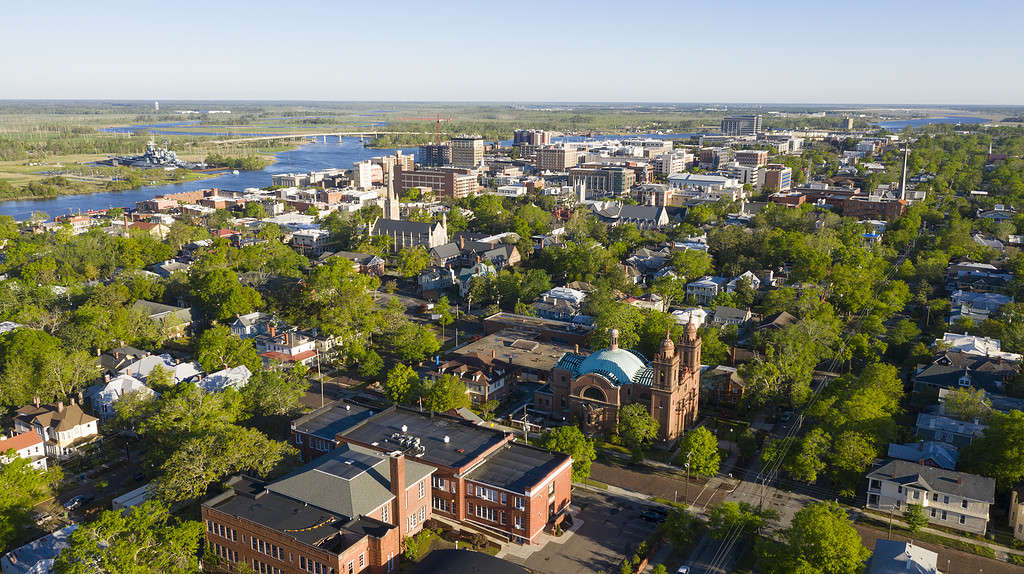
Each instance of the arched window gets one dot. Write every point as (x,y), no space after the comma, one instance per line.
(594,393)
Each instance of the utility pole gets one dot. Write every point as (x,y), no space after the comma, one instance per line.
(320,376)
(892,508)
(686,487)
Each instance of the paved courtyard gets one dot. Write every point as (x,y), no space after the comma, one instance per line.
(605,526)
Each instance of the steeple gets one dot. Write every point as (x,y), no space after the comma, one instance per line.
(903,178)
(391,203)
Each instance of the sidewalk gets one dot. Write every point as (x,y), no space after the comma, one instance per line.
(1001,551)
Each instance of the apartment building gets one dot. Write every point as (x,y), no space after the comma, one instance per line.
(531,137)
(956,500)
(443,181)
(751,157)
(603,180)
(467,151)
(556,158)
(435,155)
(345,512)
(481,477)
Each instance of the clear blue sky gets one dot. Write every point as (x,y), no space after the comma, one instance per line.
(895,51)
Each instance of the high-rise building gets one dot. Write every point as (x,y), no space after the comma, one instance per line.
(749,125)
(531,137)
(556,158)
(849,122)
(775,177)
(467,151)
(443,181)
(435,155)
(751,157)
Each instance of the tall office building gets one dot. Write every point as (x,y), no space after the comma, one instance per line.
(531,137)
(435,155)
(775,177)
(556,158)
(467,151)
(741,125)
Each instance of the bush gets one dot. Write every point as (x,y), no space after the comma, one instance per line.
(1017,559)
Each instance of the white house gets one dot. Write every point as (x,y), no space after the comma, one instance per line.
(973,345)
(705,289)
(755,282)
(179,371)
(28,445)
(63,428)
(234,377)
(103,396)
(956,500)
(37,557)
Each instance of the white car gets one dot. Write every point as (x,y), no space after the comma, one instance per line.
(683,570)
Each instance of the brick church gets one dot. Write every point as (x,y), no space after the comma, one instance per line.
(590,390)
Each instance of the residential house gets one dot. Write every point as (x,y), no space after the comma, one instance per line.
(63,428)
(694,315)
(173,321)
(38,556)
(705,289)
(435,281)
(643,216)
(365,263)
(28,445)
(467,274)
(723,315)
(927,452)
(119,357)
(560,303)
(102,397)
(898,557)
(651,301)
(976,306)
(286,346)
(179,372)
(722,385)
(167,268)
(970,276)
(486,377)
(443,255)
(748,276)
(251,324)
(952,499)
(973,345)
(230,378)
(955,369)
(949,430)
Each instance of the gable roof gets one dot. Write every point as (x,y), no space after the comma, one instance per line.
(58,417)
(20,441)
(972,486)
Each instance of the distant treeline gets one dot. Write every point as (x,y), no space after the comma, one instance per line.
(248,163)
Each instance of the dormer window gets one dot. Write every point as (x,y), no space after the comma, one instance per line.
(965,381)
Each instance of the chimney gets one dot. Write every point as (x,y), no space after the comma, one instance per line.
(272,329)
(72,403)
(35,400)
(397,460)
(577,348)
(60,406)
(106,378)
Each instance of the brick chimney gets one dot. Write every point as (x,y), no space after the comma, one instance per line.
(272,330)
(35,401)
(60,406)
(398,509)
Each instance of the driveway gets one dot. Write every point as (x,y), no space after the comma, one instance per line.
(609,526)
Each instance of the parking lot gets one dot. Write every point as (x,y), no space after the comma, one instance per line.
(610,527)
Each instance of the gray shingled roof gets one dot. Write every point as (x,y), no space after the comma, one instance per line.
(940,480)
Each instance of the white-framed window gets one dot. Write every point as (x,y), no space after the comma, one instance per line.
(933,513)
(519,522)
(945,500)
(486,513)
(423,513)
(420,489)
(439,483)
(964,503)
(412,521)
(520,503)
(963,519)
(384,513)
(362,561)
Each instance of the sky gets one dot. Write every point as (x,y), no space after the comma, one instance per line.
(783,51)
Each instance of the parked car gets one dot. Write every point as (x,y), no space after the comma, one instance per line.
(652,516)
(683,570)
(74,502)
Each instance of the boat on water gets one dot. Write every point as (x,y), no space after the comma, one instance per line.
(234,172)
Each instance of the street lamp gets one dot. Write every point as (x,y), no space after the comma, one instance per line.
(686,487)
(892,509)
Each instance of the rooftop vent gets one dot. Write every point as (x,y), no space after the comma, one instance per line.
(348,407)
(447,439)
(405,428)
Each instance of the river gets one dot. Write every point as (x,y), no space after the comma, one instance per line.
(335,153)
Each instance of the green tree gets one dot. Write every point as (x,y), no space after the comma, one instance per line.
(700,449)
(160,379)
(808,458)
(413,260)
(691,264)
(255,210)
(144,539)
(225,450)
(915,517)
(571,441)
(218,348)
(1000,452)
(445,393)
(444,312)
(967,404)
(821,539)
(222,296)
(21,488)
(637,427)
(413,343)
(36,364)
(400,384)
(681,528)
(725,516)
(273,392)
(371,364)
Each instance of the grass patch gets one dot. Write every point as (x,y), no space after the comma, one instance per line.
(594,483)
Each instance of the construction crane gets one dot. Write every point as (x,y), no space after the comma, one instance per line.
(437,118)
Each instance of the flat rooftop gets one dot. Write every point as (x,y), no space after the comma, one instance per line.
(391,429)
(528,321)
(516,347)
(329,420)
(517,467)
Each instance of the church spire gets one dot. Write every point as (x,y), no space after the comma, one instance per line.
(391,203)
